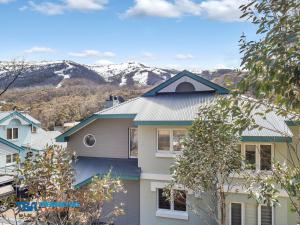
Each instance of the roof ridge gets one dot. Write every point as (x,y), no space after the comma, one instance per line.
(116,106)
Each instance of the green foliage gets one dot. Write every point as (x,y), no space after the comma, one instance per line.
(211,152)
(273,62)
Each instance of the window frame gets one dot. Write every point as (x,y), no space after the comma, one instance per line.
(171,149)
(129,155)
(12,133)
(257,153)
(86,144)
(172,201)
(242,209)
(259,214)
(12,161)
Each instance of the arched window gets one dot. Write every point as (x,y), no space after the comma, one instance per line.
(185,87)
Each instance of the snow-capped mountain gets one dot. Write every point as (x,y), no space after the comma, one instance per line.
(60,73)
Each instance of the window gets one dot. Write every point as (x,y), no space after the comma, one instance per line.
(133,142)
(29,154)
(89,140)
(171,140)
(12,158)
(265,215)
(185,87)
(236,214)
(250,156)
(33,129)
(258,156)
(12,133)
(176,202)
(163,140)
(265,157)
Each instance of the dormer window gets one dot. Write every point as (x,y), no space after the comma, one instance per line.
(12,133)
(33,129)
(185,87)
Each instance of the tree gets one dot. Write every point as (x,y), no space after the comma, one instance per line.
(211,156)
(273,62)
(49,177)
(9,73)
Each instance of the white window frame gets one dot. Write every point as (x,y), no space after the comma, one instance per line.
(170,152)
(12,134)
(131,157)
(88,145)
(259,214)
(32,129)
(243,212)
(257,152)
(12,162)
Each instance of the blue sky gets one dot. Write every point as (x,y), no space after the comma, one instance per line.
(168,33)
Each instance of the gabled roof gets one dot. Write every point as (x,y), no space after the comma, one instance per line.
(10,144)
(26,117)
(217,88)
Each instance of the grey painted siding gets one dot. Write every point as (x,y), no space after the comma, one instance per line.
(131,203)
(111,139)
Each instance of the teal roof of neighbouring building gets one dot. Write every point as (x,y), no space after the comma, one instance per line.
(12,145)
(5,115)
(181,109)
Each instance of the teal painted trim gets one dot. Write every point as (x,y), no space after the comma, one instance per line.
(167,123)
(21,116)
(266,139)
(292,123)
(65,136)
(218,88)
(12,145)
(89,180)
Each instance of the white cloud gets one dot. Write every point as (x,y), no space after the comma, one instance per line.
(148,55)
(50,8)
(91,53)
(223,10)
(104,62)
(38,49)
(184,56)
(5,1)
(159,8)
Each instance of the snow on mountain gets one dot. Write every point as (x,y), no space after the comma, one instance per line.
(59,73)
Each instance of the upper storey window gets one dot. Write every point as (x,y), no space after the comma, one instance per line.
(133,142)
(185,87)
(12,133)
(258,156)
(89,140)
(171,139)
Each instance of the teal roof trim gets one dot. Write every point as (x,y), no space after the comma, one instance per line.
(266,139)
(12,145)
(65,136)
(89,180)
(21,116)
(292,123)
(166,123)
(217,88)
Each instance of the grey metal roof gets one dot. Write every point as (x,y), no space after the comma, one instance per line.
(88,167)
(185,107)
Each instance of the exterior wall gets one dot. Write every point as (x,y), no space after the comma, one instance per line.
(148,209)
(111,139)
(131,203)
(24,132)
(282,214)
(147,139)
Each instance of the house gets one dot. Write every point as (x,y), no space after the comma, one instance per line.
(140,138)
(21,135)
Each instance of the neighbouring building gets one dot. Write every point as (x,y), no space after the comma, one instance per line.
(140,138)
(21,135)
